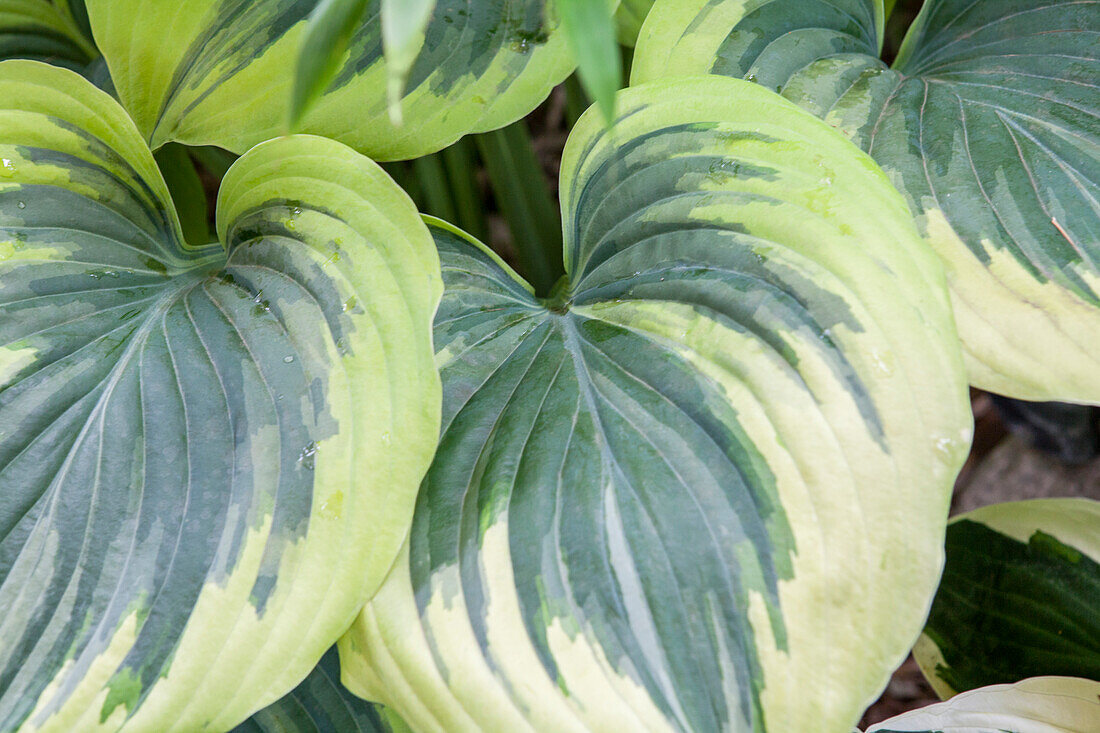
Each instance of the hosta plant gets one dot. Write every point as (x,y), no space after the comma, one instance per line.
(311,461)
(208,451)
(988,122)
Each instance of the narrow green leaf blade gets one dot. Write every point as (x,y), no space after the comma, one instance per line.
(403,25)
(1037,705)
(1027,575)
(209,453)
(731,430)
(590,27)
(328,31)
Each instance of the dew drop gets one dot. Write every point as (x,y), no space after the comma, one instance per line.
(288,359)
(350,304)
(22,205)
(306,456)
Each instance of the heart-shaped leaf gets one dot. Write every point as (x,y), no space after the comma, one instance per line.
(208,454)
(1037,705)
(321,704)
(1026,576)
(703,485)
(220,72)
(989,122)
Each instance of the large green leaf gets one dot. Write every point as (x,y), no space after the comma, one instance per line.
(44,31)
(208,454)
(1038,705)
(703,486)
(321,704)
(989,122)
(221,72)
(1020,596)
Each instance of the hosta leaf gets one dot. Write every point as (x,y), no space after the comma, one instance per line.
(44,31)
(1038,705)
(208,454)
(630,15)
(321,704)
(703,486)
(1019,597)
(989,122)
(223,74)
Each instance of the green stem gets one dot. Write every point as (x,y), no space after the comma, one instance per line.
(432,178)
(524,198)
(460,160)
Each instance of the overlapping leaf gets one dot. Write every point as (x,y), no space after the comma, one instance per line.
(989,122)
(44,31)
(321,704)
(1020,597)
(221,71)
(702,486)
(208,453)
(1037,705)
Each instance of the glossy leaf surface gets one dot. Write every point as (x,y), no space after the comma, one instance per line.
(1020,596)
(728,434)
(988,122)
(208,453)
(223,75)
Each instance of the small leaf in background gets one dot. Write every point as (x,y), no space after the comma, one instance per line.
(330,28)
(403,26)
(1037,705)
(889,8)
(321,704)
(1027,575)
(186,189)
(590,27)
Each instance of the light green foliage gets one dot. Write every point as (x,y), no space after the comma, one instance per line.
(43,31)
(730,431)
(590,27)
(209,452)
(988,122)
(222,74)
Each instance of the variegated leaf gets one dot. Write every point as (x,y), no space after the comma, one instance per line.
(223,73)
(1037,705)
(321,704)
(208,453)
(44,31)
(703,485)
(989,123)
(1020,596)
